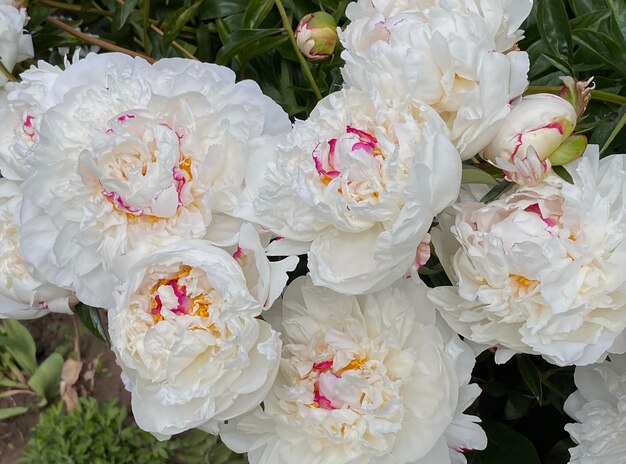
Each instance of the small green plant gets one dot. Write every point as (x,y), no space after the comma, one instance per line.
(91,433)
(20,373)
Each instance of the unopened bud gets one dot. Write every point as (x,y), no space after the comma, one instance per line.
(316,35)
(542,121)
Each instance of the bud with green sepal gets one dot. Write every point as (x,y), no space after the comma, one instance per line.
(316,36)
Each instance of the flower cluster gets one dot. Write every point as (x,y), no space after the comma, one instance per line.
(179,200)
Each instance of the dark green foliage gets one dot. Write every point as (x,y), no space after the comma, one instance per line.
(91,434)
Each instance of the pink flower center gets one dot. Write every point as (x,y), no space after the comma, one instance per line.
(324,154)
(534,208)
(28,128)
(325,382)
(197,305)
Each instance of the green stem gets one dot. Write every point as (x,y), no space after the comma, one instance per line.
(599,95)
(7,73)
(294,44)
(76,8)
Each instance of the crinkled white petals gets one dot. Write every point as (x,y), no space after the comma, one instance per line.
(541,271)
(360,182)
(21,107)
(136,156)
(185,332)
(15,45)
(599,408)
(21,295)
(449,55)
(362,379)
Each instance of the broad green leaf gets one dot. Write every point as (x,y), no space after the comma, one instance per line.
(618,128)
(554,28)
(505,445)
(496,191)
(20,344)
(531,375)
(90,318)
(177,21)
(589,20)
(586,6)
(256,12)
(472,175)
(213,9)
(263,46)
(124,12)
(6,413)
(618,8)
(241,40)
(45,380)
(602,47)
(559,63)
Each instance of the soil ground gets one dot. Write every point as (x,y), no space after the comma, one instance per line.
(100,377)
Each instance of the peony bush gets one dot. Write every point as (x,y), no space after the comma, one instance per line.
(325,243)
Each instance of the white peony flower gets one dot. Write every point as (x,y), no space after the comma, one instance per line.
(21,295)
(21,106)
(368,379)
(358,184)
(541,271)
(599,407)
(136,156)
(185,333)
(453,55)
(15,45)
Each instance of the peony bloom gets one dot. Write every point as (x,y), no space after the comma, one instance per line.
(21,106)
(541,271)
(136,156)
(459,57)
(21,295)
(364,379)
(357,185)
(15,45)
(316,36)
(599,408)
(186,334)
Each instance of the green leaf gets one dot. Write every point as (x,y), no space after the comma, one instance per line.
(256,12)
(124,13)
(589,20)
(586,6)
(90,318)
(601,47)
(176,22)
(6,413)
(531,375)
(241,41)
(473,175)
(20,344)
(505,445)
(213,9)
(618,128)
(554,28)
(496,191)
(45,380)
(559,63)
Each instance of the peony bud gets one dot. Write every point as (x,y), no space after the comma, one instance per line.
(316,35)
(541,121)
